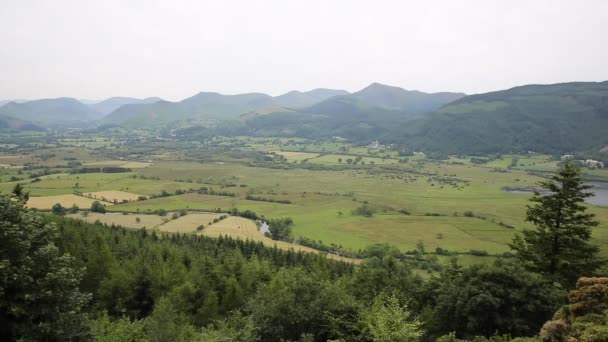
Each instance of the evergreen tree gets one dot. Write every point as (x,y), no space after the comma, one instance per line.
(559,246)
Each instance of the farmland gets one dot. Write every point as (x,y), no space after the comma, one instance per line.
(456,205)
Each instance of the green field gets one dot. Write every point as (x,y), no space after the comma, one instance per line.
(416,201)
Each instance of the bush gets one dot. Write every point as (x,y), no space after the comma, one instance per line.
(58,209)
(364,210)
(97,207)
(468,213)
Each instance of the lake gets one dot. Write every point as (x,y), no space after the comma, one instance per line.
(600,189)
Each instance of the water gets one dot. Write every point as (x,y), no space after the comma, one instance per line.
(264,228)
(601,193)
(600,189)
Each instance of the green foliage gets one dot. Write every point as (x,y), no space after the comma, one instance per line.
(39,295)
(485,300)
(585,318)
(559,246)
(166,324)
(543,118)
(97,207)
(364,210)
(235,328)
(280,229)
(58,209)
(295,303)
(105,329)
(389,321)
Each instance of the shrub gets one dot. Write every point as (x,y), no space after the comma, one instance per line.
(97,207)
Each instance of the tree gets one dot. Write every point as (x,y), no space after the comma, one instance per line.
(280,229)
(58,209)
(39,295)
(586,318)
(558,247)
(388,321)
(167,324)
(486,300)
(97,207)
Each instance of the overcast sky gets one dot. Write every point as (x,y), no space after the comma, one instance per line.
(174,49)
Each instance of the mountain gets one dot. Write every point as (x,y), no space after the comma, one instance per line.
(365,115)
(3,102)
(214,106)
(109,105)
(10,123)
(50,112)
(386,97)
(298,99)
(202,106)
(552,118)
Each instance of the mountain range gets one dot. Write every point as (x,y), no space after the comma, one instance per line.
(554,118)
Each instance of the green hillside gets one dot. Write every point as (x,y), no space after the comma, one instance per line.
(364,115)
(298,99)
(203,106)
(8,123)
(50,112)
(543,118)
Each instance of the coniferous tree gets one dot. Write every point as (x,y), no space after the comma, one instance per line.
(559,245)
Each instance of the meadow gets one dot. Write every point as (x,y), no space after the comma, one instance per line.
(456,205)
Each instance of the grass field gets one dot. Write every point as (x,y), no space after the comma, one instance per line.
(46,202)
(435,193)
(244,229)
(296,156)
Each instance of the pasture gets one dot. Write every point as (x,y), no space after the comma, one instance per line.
(245,229)
(415,201)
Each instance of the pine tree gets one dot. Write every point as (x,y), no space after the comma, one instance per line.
(559,245)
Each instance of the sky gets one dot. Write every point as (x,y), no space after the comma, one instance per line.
(175,49)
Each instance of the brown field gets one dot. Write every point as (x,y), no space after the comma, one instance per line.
(242,228)
(105,163)
(110,196)
(46,202)
(119,163)
(135,165)
(127,221)
(188,223)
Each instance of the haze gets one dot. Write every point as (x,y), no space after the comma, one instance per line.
(174,49)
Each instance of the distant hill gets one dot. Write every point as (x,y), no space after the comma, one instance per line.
(377,95)
(364,115)
(298,99)
(3,102)
(109,105)
(214,106)
(50,112)
(543,118)
(202,106)
(10,123)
